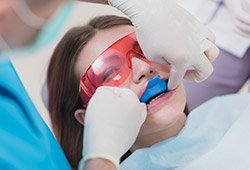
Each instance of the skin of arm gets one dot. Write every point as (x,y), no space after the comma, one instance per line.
(96,164)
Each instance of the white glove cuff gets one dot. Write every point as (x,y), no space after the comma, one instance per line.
(94,156)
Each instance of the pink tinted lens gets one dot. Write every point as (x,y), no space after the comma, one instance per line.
(111,68)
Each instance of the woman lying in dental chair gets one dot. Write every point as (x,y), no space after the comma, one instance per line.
(105,52)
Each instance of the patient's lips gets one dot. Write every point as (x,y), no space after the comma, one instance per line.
(159,101)
(155,93)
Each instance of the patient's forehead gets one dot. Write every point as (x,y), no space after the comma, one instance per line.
(101,41)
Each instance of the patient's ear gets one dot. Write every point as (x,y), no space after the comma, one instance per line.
(79,115)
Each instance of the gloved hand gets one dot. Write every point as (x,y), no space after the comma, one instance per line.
(112,122)
(169,34)
(238,10)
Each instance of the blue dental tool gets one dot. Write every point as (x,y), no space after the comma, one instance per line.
(154,87)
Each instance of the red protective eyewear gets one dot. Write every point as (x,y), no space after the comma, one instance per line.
(112,67)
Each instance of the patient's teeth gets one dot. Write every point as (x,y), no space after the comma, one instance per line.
(151,101)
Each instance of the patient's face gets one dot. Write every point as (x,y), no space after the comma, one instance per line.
(163,112)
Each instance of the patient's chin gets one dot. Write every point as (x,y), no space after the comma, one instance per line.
(157,131)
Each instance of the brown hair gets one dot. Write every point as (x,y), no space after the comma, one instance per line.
(63,84)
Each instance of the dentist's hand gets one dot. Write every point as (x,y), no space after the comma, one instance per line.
(112,122)
(241,17)
(169,34)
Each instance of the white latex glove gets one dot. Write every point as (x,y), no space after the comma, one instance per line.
(238,10)
(169,34)
(112,122)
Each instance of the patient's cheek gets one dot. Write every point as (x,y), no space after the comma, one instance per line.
(130,85)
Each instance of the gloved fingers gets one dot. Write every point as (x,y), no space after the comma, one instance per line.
(243,17)
(123,93)
(110,90)
(143,112)
(205,32)
(209,34)
(130,96)
(242,27)
(244,34)
(159,60)
(201,71)
(120,91)
(210,50)
(127,94)
(105,90)
(176,75)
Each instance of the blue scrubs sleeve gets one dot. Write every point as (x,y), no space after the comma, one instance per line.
(25,140)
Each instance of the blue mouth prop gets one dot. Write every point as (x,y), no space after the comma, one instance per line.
(155,87)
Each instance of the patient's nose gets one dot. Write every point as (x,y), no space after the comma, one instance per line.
(141,70)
